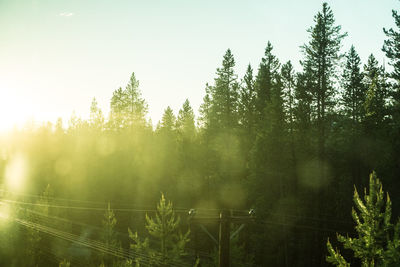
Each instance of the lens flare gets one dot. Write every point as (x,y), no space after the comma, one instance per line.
(16,173)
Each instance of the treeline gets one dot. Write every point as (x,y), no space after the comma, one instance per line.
(288,144)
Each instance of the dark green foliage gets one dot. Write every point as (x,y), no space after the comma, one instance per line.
(185,123)
(224,95)
(392,49)
(354,90)
(322,54)
(247,107)
(265,81)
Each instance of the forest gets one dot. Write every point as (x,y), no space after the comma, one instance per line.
(281,158)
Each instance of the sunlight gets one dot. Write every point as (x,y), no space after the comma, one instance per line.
(14,110)
(16,173)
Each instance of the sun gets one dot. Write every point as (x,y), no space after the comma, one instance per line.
(15,110)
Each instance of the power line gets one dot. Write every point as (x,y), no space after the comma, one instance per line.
(96,245)
(84,241)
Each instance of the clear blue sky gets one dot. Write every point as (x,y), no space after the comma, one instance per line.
(56,55)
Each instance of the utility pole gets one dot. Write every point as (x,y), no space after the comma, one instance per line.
(224,238)
(225,219)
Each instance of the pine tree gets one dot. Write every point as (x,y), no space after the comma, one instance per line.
(378,240)
(374,105)
(224,95)
(247,108)
(168,122)
(205,109)
(141,250)
(186,131)
(128,108)
(136,107)
(165,227)
(321,59)
(109,235)
(118,106)
(96,120)
(265,81)
(288,83)
(391,48)
(185,123)
(303,110)
(354,90)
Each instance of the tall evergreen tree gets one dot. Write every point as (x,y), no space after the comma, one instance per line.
(118,106)
(288,83)
(303,110)
(185,122)
(376,95)
(96,116)
(265,81)
(354,90)
(205,109)
(186,131)
(128,108)
(391,48)
(168,122)
(321,59)
(136,107)
(247,110)
(224,95)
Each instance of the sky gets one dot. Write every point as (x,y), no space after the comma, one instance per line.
(56,55)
